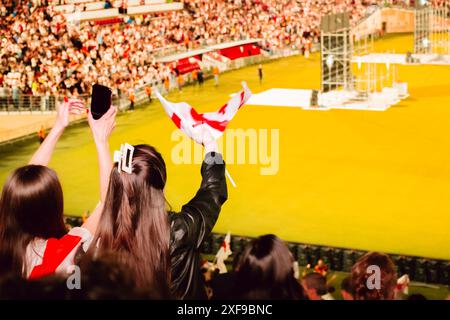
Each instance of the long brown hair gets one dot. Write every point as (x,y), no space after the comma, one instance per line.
(266,271)
(134,221)
(31,206)
(360,275)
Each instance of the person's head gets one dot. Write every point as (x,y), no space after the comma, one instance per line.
(31,206)
(315,285)
(15,287)
(374,277)
(346,289)
(134,220)
(106,277)
(265,271)
(417,296)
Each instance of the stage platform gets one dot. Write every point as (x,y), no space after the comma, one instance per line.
(400,58)
(345,100)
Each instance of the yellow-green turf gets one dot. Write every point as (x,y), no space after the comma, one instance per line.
(357,179)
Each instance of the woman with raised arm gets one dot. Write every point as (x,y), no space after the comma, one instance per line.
(33,239)
(160,248)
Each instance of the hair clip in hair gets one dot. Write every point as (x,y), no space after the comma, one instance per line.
(124,158)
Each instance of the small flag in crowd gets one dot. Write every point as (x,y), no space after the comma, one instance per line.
(223,253)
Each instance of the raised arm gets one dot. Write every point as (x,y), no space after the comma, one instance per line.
(198,217)
(43,155)
(101,131)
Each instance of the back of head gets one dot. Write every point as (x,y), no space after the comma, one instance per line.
(315,282)
(31,206)
(14,287)
(134,220)
(265,271)
(107,278)
(374,277)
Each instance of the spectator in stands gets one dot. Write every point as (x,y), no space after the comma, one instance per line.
(265,271)
(216,75)
(31,210)
(15,287)
(108,4)
(167,85)
(148,91)
(103,278)
(315,286)
(374,277)
(41,134)
(260,73)
(195,76)
(200,78)
(222,284)
(161,250)
(346,289)
(132,98)
(180,82)
(321,268)
(329,295)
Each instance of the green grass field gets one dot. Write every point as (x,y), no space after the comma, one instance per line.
(358,179)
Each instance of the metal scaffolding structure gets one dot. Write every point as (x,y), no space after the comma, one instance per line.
(432,27)
(440,35)
(363,45)
(336,53)
(373,77)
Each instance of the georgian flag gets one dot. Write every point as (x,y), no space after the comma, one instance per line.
(223,254)
(189,121)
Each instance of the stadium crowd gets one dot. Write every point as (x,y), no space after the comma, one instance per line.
(42,54)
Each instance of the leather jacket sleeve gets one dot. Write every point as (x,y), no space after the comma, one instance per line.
(193,224)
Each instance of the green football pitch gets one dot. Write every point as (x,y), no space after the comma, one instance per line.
(357,179)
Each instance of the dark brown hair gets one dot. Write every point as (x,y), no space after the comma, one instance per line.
(265,271)
(317,282)
(360,274)
(31,206)
(134,221)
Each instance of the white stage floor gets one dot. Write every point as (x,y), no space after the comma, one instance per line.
(400,58)
(344,100)
(282,97)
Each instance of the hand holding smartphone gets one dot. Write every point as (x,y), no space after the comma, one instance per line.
(101,100)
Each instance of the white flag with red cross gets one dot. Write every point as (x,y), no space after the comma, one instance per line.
(194,124)
(189,120)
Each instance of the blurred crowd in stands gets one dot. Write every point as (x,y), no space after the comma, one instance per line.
(43,54)
(265,270)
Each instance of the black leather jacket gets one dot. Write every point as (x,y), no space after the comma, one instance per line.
(191,226)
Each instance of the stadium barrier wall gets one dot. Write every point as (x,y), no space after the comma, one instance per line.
(419,269)
(397,20)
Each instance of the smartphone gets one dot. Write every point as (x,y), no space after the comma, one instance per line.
(101,100)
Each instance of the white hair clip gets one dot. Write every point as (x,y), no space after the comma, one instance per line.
(124,158)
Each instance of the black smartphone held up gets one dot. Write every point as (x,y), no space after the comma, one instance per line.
(100,101)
